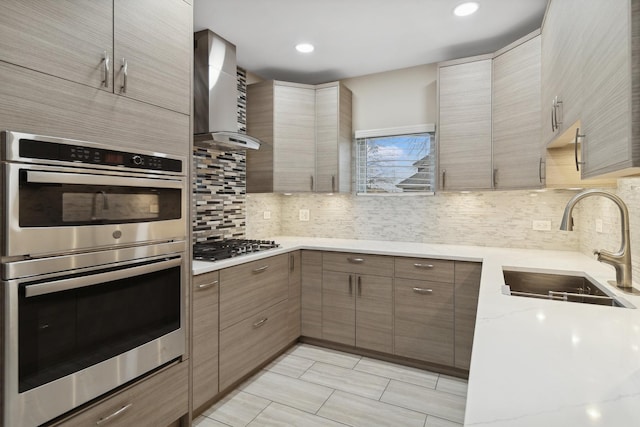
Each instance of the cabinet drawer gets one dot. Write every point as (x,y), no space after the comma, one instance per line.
(424,327)
(247,344)
(156,401)
(249,288)
(435,270)
(375,265)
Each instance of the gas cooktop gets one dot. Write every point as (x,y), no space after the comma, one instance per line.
(210,250)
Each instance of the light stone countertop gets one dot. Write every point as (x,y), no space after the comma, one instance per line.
(535,362)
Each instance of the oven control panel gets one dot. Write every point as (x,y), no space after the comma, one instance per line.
(90,155)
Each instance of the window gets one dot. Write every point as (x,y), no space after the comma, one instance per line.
(395,163)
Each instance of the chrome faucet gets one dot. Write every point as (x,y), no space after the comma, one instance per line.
(620,260)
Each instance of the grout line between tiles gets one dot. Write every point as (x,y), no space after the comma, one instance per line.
(258,414)
(325,401)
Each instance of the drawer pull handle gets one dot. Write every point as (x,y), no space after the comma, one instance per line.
(350,284)
(356,260)
(260,322)
(423,265)
(422,291)
(116,414)
(260,269)
(206,285)
(359,285)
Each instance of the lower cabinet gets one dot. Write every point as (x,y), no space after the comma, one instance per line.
(357,308)
(205,338)
(250,342)
(467,287)
(295,269)
(311,298)
(158,400)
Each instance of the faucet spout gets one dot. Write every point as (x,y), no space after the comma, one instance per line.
(620,260)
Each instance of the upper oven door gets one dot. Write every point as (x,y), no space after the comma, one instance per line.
(51,209)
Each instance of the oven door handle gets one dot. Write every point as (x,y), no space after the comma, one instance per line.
(94,279)
(111,180)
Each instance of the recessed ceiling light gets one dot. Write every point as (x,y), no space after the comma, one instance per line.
(466,9)
(304,47)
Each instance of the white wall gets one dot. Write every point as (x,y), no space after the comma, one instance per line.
(394,98)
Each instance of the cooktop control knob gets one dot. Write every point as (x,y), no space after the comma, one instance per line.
(137,160)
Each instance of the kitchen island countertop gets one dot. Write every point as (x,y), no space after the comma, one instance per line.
(535,362)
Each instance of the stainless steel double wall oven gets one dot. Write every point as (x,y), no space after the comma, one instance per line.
(93,271)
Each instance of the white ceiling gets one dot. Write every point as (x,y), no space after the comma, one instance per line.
(359,37)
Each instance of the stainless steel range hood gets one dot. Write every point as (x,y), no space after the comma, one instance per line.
(215,90)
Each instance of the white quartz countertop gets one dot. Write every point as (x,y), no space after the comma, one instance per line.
(535,362)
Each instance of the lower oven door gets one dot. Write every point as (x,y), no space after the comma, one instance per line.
(75,335)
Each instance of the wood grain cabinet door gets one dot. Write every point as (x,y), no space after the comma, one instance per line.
(339,307)
(424,317)
(205,338)
(311,298)
(464,139)
(63,39)
(155,39)
(295,268)
(517,150)
(374,313)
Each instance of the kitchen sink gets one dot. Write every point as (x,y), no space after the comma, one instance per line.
(558,287)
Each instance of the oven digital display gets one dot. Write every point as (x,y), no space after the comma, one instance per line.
(113,158)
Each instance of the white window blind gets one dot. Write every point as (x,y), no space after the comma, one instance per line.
(403,163)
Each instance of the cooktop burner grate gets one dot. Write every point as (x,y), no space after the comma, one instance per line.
(222,249)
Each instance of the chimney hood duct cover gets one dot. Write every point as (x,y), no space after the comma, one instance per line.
(215,89)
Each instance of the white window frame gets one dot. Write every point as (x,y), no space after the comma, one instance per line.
(394,131)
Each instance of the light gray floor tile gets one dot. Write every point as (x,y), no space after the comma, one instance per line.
(433,402)
(362,412)
(290,365)
(398,372)
(348,380)
(325,355)
(289,391)
(237,408)
(439,422)
(280,415)
(207,422)
(452,385)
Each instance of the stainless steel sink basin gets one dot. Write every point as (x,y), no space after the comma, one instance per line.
(559,287)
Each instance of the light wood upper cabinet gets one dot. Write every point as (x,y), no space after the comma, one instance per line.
(155,39)
(464,123)
(71,40)
(306,132)
(517,150)
(594,72)
(62,39)
(333,138)
(205,338)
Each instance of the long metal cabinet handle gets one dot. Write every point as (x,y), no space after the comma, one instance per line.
(203,286)
(575,149)
(333,183)
(311,182)
(260,269)
(116,414)
(444,178)
(293,262)
(418,265)
(105,67)
(558,108)
(355,260)
(553,116)
(125,73)
(423,290)
(495,178)
(350,285)
(360,285)
(540,170)
(74,178)
(260,322)
(94,279)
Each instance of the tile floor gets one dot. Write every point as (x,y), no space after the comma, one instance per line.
(313,386)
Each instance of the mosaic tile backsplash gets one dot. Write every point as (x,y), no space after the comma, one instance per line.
(493,218)
(220,180)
